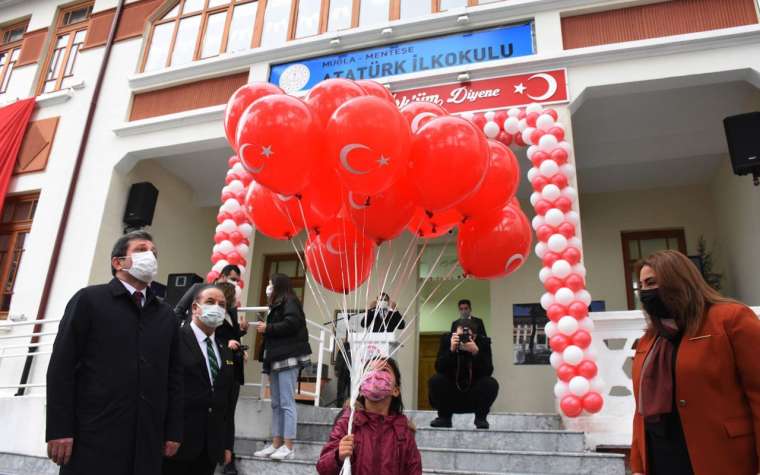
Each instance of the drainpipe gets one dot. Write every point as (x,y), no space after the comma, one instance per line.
(52,267)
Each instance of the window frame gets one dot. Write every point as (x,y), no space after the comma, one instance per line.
(10,48)
(14,229)
(628,263)
(71,32)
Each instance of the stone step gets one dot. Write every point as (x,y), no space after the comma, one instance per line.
(497,461)
(536,440)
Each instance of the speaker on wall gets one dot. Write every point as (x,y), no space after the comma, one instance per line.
(141,204)
(178,284)
(743,137)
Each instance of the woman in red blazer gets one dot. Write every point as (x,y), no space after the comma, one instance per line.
(696,376)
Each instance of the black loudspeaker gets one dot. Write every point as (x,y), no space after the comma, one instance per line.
(743,137)
(141,205)
(178,284)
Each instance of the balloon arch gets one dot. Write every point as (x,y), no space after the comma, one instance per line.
(357,130)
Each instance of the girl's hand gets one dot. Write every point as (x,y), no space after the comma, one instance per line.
(261,327)
(346,447)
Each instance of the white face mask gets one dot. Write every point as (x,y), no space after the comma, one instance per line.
(144,266)
(382,305)
(212,315)
(270,290)
(238,292)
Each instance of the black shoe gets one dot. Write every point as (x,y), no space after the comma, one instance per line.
(230,469)
(441,422)
(481,423)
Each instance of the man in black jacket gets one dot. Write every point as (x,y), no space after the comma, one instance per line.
(209,380)
(463,382)
(465,312)
(114,382)
(382,316)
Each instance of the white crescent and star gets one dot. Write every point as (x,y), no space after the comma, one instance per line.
(353,203)
(515,258)
(266,152)
(551,86)
(330,247)
(346,164)
(415,126)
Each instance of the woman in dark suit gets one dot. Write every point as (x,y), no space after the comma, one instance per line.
(286,351)
(696,376)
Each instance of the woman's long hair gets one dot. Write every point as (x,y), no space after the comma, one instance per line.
(282,288)
(682,288)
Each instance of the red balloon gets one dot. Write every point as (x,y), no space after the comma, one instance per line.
(504,138)
(559,179)
(266,216)
(556,311)
(220,236)
(559,155)
(233,159)
(552,113)
(593,402)
(278,139)
(500,116)
(494,245)
(539,182)
(538,158)
(550,258)
(558,343)
(571,406)
(212,276)
(536,135)
(558,132)
(566,372)
(553,284)
(223,216)
(499,186)
(339,257)
(479,120)
(571,255)
(234,258)
(574,282)
(328,95)
(578,310)
(383,216)
(587,369)
(567,230)
(216,257)
(531,118)
(449,161)
(418,113)
(581,339)
(368,143)
(236,237)
(428,224)
(238,102)
(542,206)
(374,88)
(544,232)
(563,203)
(519,140)
(321,201)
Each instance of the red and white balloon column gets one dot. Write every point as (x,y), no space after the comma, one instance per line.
(556,224)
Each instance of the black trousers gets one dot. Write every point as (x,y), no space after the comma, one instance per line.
(447,399)
(235,396)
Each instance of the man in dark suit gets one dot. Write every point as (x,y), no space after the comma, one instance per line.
(114,382)
(382,316)
(208,381)
(465,312)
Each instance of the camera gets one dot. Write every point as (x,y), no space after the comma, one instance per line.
(242,348)
(466,336)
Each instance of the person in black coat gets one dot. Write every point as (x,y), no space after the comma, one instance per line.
(382,316)
(286,351)
(114,382)
(463,381)
(209,382)
(465,312)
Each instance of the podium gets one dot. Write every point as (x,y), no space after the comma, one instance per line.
(369,344)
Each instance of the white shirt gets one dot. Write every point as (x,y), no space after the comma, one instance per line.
(132,290)
(201,337)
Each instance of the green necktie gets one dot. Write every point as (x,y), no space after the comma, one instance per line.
(212,362)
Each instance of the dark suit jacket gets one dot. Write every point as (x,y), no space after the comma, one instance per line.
(457,364)
(379,321)
(208,412)
(114,382)
(475,321)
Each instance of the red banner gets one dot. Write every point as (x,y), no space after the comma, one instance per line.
(544,87)
(13,121)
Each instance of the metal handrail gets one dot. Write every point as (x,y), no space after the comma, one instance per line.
(30,322)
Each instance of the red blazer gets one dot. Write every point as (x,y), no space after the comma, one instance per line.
(717,394)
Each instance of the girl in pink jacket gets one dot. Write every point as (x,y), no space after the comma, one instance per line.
(382,441)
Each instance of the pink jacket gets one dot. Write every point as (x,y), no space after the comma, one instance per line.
(383,445)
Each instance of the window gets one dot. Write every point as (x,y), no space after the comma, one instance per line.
(15,225)
(451,4)
(307,23)
(10,49)
(71,31)
(276,23)
(414,8)
(373,12)
(339,15)
(200,29)
(638,245)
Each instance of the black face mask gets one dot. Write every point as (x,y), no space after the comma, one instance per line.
(653,304)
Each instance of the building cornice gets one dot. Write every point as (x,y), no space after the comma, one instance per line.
(171,121)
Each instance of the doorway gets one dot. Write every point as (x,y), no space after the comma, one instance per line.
(428,351)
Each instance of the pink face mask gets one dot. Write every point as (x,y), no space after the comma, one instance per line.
(377,386)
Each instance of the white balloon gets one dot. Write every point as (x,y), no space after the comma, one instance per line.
(220,265)
(491,129)
(512,125)
(537,222)
(541,249)
(584,296)
(570,193)
(242,249)
(532,173)
(572,355)
(580,269)
(489,115)
(523,125)
(573,218)
(590,354)
(574,242)
(544,274)
(225,247)
(238,167)
(557,243)
(534,197)
(561,269)
(549,168)
(232,205)
(468,115)
(526,135)
(564,296)
(532,149)
(554,217)
(547,143)
(513,112)
(218,229)
(547,300)
(566,145)
(533,107)
(215,249)
(568,170)
(236,186)
(566,325)
(556,361)
(246,230)
(579,385)
(545,122)
(550,192)
(551,329)
(228,226)
(561,388)
(598,385)
(586,324)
